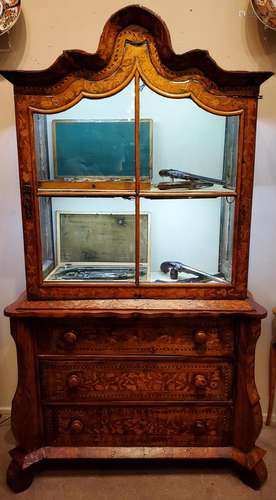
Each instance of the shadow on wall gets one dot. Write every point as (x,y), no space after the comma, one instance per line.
(12,58)
(261,44)
(261,41)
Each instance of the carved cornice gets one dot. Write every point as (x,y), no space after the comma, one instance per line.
(141,21)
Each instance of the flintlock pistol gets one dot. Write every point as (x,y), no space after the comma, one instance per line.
(174,267)
(190,181)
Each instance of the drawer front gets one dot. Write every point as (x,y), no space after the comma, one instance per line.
(137,426)
(214,337)
(124,380)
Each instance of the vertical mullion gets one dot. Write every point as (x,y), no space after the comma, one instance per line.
(137,179)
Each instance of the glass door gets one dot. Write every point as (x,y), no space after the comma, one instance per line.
(137,188)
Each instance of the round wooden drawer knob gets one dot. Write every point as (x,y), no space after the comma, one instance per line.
(200,338)
(200,381)
(76,426)
(199,428)
(73,381)
(70,338)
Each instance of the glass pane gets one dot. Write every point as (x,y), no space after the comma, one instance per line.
(190,239)
(191,148)
(92,141)
(47,236)
(90,239)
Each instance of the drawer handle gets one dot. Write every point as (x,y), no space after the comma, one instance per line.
(76,426)
(199,428)
(70,338)
(200,382)
(73,381)
(200,338)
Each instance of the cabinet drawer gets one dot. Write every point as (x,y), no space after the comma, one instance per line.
(194,336)
(124,380)
(137,426)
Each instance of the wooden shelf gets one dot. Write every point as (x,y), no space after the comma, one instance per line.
(125,189)
(104,193)
(92,193)
(187,194)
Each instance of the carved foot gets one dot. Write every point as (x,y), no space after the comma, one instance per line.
(255,477)
(19,479)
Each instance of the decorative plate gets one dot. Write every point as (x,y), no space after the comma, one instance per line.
(9,13)
(265,10)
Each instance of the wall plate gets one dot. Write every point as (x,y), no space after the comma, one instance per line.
(9,13)
(5,42)
(265,11)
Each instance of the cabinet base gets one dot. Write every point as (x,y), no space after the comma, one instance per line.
(254,477)
(251,467)
(19,479)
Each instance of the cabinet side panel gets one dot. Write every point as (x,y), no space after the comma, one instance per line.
(26,422)
(248,415)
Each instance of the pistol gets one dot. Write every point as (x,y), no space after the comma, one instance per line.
(175,267)
(179,174)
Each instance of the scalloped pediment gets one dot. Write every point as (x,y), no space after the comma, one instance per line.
(137,25)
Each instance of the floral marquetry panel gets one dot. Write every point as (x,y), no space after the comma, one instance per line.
(138,426)
(188,337)
(135,380)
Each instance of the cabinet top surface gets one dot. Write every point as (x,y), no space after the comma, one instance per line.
(131,307)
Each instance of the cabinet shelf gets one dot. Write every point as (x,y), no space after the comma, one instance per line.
(95,193)
(199,193)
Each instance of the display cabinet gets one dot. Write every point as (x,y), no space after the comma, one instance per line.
(136,337)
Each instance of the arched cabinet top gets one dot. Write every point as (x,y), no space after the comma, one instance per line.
(136,28)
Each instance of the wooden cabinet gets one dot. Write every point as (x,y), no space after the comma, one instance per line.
(136,336)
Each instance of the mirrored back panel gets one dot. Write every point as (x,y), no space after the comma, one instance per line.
(91,239)
(182,146)
(192,149)
(176,165)
(191,240)
(94,239)
(93,140)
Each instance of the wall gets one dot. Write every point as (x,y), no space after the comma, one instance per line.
(234,38)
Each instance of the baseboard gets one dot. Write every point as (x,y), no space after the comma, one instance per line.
(273,418)
(5,411)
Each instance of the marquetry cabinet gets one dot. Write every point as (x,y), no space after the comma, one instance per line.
(136,334)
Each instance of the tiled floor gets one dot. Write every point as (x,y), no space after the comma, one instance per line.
(146,481)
